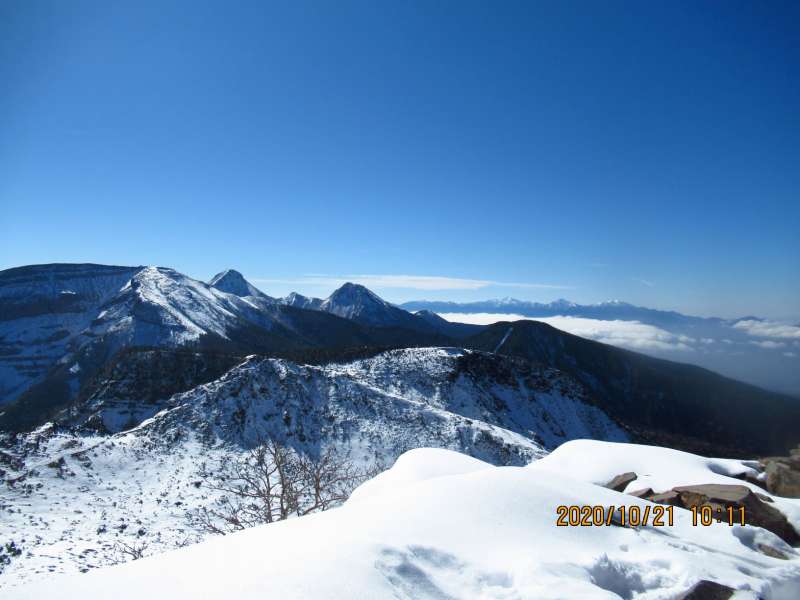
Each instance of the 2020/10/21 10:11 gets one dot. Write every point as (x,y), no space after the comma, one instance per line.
(706,514)
(634,516)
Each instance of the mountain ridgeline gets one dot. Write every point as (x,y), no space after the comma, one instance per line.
(69,334)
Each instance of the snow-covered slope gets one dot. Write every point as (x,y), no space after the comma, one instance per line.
(439,525)
(73,315)
(660,469)
(146,478)
(161,307)
(44,310)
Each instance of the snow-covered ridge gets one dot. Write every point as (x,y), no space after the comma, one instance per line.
(442,525)
(493,408)
(497,410)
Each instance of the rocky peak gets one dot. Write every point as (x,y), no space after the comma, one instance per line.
(231,281)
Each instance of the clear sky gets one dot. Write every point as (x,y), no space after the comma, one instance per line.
(635,150)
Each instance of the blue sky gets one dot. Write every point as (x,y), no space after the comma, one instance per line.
(642,151)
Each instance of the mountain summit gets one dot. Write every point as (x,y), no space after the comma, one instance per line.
(353,300)
(231,281)
(357,303)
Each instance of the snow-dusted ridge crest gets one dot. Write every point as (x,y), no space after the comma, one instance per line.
(503,411)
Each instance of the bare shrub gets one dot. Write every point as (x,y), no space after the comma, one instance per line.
(124,552)
(273,482)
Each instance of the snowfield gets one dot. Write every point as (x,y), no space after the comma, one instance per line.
(441,525)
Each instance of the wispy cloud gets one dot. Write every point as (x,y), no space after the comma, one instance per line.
(646,282)
(770,329)
(768,344)
(416,282)
(628,334)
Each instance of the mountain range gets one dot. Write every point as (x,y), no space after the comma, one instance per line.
(64,328)
(612,309)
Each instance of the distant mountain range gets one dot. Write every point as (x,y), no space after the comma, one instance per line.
(65,329)
(613,309)
(762,352)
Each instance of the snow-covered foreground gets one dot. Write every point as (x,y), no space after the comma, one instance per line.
(443,525)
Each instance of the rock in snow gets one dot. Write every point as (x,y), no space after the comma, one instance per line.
(440,525)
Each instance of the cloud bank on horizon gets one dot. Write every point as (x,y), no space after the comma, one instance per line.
(642,336)
(628,334)
(769,329)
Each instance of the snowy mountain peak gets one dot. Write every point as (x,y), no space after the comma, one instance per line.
(614,302)
(354,294)
(354,301)
(233,282)
(300,301)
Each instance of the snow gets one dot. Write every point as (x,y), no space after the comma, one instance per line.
(438,526)
(503,341)
(658,468)
(375,408)
(82,495)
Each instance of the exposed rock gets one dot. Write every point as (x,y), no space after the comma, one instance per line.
(707,590)
(620,482)
(643,493)
(672,498)
(758,513)
(783,478)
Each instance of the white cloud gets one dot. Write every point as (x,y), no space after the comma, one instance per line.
(768,344)
(628,334)
(416,282)
(646,282)
(790,354)
(773,329)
